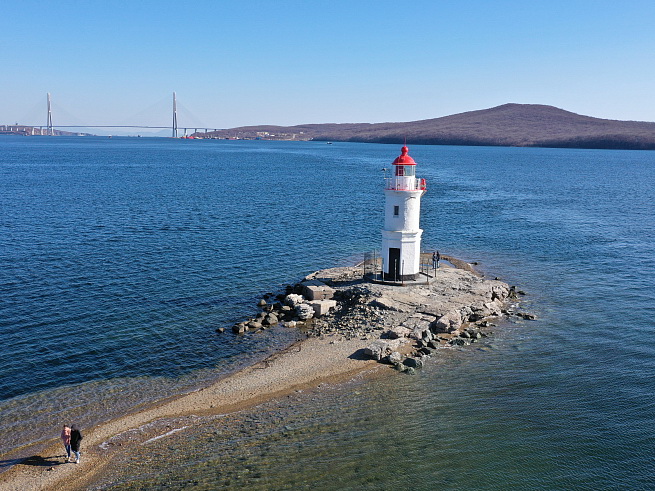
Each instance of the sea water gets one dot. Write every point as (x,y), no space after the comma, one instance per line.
(120,257)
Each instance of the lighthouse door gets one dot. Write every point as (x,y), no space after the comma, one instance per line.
(394,264)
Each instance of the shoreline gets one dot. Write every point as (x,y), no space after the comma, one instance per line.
(397,319)
(291,371)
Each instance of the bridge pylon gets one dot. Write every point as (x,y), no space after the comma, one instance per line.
(174,116)
(49,130)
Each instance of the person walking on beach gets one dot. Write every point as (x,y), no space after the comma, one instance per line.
(76,439)
(66,438)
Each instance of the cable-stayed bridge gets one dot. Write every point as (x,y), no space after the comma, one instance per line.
(49,128)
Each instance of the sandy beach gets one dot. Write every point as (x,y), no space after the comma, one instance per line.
(305,364)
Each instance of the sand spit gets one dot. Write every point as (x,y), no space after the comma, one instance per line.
(397,325)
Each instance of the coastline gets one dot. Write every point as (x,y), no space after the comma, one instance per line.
(333,353)
(316,362)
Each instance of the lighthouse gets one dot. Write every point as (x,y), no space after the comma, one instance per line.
(401,236)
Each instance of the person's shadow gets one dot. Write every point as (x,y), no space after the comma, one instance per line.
(34,460)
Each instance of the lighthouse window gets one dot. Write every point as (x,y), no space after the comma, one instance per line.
(396,210)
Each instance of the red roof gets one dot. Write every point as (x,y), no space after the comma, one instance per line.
(404,158)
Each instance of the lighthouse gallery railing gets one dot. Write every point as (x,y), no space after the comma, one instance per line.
(402,183)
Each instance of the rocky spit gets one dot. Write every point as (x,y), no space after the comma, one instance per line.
(343,314)
(454,306)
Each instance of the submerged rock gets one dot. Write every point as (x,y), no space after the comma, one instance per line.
(413,362)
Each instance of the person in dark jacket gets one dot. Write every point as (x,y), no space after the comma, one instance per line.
(76,439)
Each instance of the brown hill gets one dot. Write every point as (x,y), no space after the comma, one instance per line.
(525,125)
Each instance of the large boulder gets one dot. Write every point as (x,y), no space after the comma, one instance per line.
(376,350)
(449,322)
(398,332)
(322,307)
(316,290)
(413,363)
(494,307)
(293,300)
(380,348)
(394,358)
(239,328)
(304,311)
(501,292)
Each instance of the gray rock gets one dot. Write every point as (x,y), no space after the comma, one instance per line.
(304,311)
(448,322)
(270,320)
(293,300)
(239,328)
(262,303)
(397,332)
(413,363)
(395,357)
(380,348)
(376,350)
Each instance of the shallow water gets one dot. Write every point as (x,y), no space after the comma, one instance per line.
(120,257)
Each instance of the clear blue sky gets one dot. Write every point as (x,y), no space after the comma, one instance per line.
(285,62)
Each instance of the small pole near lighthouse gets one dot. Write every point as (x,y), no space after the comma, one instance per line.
(401,236)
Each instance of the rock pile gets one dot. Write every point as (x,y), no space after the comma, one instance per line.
(307,300)
(405,324)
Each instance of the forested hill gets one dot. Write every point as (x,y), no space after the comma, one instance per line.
(523,125)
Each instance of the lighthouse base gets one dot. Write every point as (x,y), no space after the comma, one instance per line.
(402,277)
(401,254)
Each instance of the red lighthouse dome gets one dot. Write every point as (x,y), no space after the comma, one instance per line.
(404,158)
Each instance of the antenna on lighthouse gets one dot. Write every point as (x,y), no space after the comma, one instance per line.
(49,130)
(174,116)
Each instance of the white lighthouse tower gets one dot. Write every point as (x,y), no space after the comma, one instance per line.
(401,237)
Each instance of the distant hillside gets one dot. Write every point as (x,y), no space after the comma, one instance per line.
(522,125)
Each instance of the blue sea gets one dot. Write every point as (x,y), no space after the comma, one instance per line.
(119,259)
